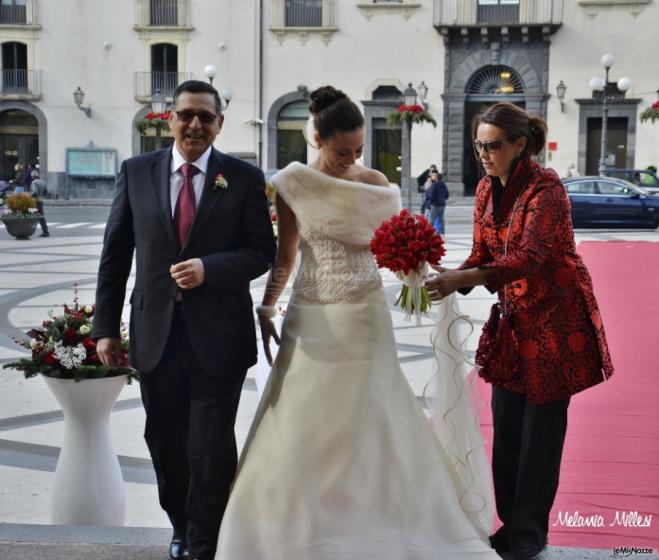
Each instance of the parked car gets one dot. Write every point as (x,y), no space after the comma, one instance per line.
(643,178)
(606,202)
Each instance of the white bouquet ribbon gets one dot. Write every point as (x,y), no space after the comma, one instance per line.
(413,298)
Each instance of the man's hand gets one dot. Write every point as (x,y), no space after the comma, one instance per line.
(188,274)
(108,350)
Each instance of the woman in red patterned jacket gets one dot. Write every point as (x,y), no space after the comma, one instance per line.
(524,249)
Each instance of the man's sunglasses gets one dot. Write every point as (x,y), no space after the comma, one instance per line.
(488,147)
(187,116)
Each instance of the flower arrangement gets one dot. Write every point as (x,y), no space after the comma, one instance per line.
(651,113)
(63,348)
(410,114)
(405,244)
(20,206)
(156,121)
(221,182)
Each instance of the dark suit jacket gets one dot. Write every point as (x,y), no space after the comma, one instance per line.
(231,233)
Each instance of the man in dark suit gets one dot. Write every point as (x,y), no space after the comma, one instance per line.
(198,222)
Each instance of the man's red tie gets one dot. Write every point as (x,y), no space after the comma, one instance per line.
(186,203)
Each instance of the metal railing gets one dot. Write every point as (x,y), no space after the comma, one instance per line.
(473,12)
(162,13)
(15,82)
(302,13)
(18,12)
(148,83)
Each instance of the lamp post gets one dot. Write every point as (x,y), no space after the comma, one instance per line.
(211,72)
(598,84)
(409,98)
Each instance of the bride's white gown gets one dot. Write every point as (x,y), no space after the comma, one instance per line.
(341,462)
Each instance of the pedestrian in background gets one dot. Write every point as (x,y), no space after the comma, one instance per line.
(572,171)
(19,179)
(423,184)
(438,195)
(39,191)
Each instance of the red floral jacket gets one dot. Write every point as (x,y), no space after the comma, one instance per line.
(548,290)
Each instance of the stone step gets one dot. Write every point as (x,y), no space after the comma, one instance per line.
(77,542)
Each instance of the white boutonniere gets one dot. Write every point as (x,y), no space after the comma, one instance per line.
(220,182)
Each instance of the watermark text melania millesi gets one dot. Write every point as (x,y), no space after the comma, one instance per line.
(625,551)
(620,519)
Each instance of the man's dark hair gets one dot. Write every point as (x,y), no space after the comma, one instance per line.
(197,86)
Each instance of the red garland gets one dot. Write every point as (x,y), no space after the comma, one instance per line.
(405,241)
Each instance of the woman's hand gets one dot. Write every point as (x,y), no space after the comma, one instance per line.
(445,283)
(268,331)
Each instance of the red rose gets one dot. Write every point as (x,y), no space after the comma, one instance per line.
(70,334)
(89,343)
(50,359)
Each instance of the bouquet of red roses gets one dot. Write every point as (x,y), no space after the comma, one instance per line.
(406,244)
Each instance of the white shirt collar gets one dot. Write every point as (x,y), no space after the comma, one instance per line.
(201,163)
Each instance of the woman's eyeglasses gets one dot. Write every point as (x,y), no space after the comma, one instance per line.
(187,116)
(489,146)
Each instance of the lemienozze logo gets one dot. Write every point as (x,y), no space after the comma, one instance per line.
(624,551)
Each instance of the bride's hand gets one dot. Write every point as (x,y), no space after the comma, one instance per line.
(268,331)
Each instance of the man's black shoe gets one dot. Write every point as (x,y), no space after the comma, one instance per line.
(177,549)
(45,234)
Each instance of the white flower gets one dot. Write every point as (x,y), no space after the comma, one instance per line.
(71,357)
(84,330)
(89,309)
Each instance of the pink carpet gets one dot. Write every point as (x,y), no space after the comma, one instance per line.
(611,458)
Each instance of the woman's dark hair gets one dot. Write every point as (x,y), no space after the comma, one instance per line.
(197,86)
(517,123)
(333,111)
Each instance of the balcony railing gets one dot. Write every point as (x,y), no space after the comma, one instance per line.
(162,13)
(148,83)
(302,14)
(459,13)
(20,84)
(18,12)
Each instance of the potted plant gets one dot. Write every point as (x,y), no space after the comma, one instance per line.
(88,486)
(154,121)
(415,114)
(651,113)
(20,215)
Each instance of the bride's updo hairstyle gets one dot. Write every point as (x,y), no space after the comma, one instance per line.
(333,111)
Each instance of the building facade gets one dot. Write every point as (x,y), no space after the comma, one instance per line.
(272,53)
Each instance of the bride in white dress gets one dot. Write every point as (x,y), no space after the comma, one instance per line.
(341,462)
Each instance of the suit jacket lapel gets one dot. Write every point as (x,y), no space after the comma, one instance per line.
(210,196)
(161,187)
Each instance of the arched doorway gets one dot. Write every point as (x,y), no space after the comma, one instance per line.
(489,85)
(291,143)
(19,141)
(294,115)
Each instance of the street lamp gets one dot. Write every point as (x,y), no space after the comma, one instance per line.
(422,89)
(561,89)
(598,84)
(78,99)
(227,96)
(158,102)
(211,72)
(409,98)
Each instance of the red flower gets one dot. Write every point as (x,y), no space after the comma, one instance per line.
(273,217)
(405,241)
(89,343)
(50,359)
(70,334)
